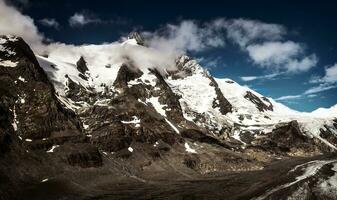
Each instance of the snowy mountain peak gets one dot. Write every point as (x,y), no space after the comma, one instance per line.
(137,37)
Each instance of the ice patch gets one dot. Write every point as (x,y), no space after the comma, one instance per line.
(21,79)
(52,148)
(189,149)
(155,144)
(44,180)
(236,136)
(85,126)
(22,100)
(15,121)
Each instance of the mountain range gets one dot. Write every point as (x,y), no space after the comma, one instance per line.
(124,121)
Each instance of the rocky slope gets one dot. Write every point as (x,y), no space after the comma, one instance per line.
(82,121)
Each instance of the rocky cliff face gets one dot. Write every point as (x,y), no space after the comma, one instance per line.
(121,122)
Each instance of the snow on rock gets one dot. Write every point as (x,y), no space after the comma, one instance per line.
(130,149)
(28,140)
(250,118)
(197,94)
(189,149)
(15,121)
(325,112)
(130,42)
(135,120)
(156,105)
(147,78)
(329,186)
(311,169)
(44,180)
(21,79)
(22,100)
(85,126)
(8,63)
(172,126)
(6,50)
(51,150)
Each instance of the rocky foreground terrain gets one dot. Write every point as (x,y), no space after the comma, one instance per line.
(87,124)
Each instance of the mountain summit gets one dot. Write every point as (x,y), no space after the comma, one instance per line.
(80,122)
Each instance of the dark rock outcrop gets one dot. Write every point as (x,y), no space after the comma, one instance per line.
(26,91)
(220,101)
(289,139)
(260,105)
(82,65)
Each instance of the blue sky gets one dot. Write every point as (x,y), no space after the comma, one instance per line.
(284,50)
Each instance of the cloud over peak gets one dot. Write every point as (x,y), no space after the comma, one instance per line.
(13,22)
(188,35)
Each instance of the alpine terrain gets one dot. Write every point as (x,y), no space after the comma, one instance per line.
(123,121)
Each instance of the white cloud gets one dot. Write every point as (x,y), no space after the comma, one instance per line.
(50,22)
(190,35)
(330,74)
(273,52)
(320,88)
(245,31)
(326,82)
(268,76)
(265,46)
(81,19)
(15,23)
(281,56)
(260,40)
(100,55)
(303,64)
(312,95)
(288,97)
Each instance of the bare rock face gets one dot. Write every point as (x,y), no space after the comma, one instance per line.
(82,68)
(116,133)
(26,92)
(80,154)
(220,101)
(81,65)
(125,74)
